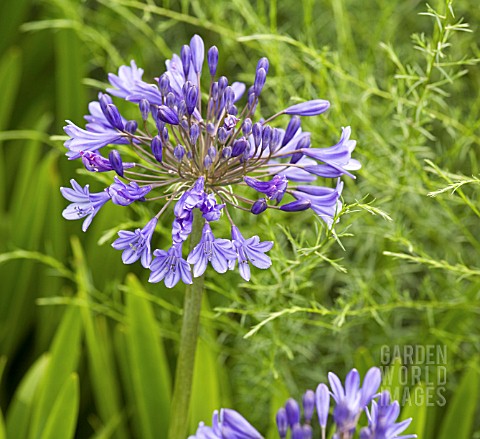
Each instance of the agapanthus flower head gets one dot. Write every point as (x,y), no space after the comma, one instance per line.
(202,156)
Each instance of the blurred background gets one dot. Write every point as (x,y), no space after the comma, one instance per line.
(88,346)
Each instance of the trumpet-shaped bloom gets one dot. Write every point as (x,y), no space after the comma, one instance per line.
(84,204)
(170,267)
(136,245)
(250,251)
(217,251)
(382,420)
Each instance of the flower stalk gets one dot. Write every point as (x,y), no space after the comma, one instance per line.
(182,389)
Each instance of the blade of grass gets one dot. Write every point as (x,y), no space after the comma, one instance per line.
(62,418)
(149,365)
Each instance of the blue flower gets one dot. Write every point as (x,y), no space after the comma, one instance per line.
(381,420)
(325,202)
(218,251)
(352,400)
(136,245)
(170,267)
(125,194)
(273,189)
(196,148)
(338,158)
(229,424)
(84,204)
(250,251)
(88,140)
(126,81)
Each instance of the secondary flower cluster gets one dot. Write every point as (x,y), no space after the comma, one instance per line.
(195,154)
(349,403)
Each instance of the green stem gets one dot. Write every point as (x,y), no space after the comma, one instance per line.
(182,389)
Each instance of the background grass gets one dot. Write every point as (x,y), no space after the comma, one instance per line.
(403,270)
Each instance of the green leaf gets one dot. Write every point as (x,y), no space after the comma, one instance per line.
(205,388)
(20,409)
(148,364)
(460,415)
(100,360)
(279,397)
(416,411)
(62,418)
(64,357)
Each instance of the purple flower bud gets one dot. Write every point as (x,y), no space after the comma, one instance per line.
(197,53)
(309,108)
(229,97)
(104,100)
(252,100)
(282,423)
(181,109)
(211,128)
(239,147)
(170,100)
(293,412)
(207,162)
(259,206)
(322,401)
(308,402)
(179,152)
(167,115)
(116,161)
(263,64)
(144,108)
(297,431)
(227,152)
(165,134)
(307,432)
(266,136)
(222,84)
(260,79)
(164,84)
(247,127)
(275,140)
(156,147)
(232,110)
(215,91)
(222,135)
(212,57)
(154,111)
(160,124)
(194,133)
(113,116)
(212,152)
(292,128)
(296,206)
(185,125)
(304,142)
(185,55)
(131,126)
(257,133)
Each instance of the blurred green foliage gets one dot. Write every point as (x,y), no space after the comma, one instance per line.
(88,350)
